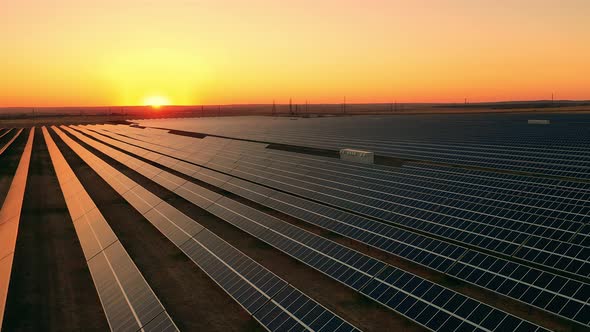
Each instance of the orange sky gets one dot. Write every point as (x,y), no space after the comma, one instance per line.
(120,52)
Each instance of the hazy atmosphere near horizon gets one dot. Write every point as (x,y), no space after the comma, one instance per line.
(111,52)
(295,166)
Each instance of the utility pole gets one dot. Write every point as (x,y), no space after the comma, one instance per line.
(202,110)
(274,108)
(306,107)
(344,106)
(290,106)
(218,110)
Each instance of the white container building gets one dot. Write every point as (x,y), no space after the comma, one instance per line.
(541,122)
(357,156)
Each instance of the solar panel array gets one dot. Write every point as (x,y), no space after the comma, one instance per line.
(503,142)
(334,260)
(548,291)
(462,205)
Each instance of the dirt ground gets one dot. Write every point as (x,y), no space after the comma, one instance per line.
(51,288)
(350,305)
(192,299)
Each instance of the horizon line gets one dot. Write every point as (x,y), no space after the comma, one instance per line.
(348,103)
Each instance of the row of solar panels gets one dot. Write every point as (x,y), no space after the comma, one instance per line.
(508,155)
(416,298)
(10,217)
(542,289)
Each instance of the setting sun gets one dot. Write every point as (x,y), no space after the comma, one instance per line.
(156,101)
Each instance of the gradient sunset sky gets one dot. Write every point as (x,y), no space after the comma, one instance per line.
(121,52)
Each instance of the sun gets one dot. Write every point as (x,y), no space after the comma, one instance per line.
(156,101)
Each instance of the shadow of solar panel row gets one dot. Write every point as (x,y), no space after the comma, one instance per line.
(254,287)
(575,294)
(128,301)
(333,259)
(10,219)
(513,156)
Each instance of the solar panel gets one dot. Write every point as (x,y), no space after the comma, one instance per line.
(9,143)
(10,218)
